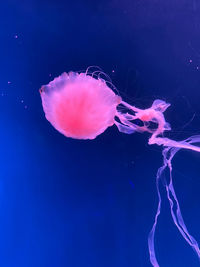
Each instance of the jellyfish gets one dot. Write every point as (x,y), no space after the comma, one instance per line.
(78,105)
(83,105)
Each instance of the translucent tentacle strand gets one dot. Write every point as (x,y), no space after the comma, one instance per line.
(154,114)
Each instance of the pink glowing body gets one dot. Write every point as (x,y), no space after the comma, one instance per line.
(82,107)
(78,105)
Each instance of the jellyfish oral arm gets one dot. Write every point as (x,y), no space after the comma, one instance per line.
(152,114)
(171,147)
(171,143)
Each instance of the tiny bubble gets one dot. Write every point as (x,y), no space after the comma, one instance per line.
(190,60)
(16,36)
(9,82)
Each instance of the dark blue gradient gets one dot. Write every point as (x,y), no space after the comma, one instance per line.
(73,203)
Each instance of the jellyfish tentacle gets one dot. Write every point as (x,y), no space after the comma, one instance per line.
(171,147)
(125,120)
(177,216)
(151,236)
(124,128)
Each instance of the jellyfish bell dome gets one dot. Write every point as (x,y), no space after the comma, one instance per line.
(79,105)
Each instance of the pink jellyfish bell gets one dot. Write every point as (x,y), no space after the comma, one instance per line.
(78,105)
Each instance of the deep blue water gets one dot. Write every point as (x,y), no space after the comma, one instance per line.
(73,203)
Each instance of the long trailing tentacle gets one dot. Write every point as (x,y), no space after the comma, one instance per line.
(173,200)
(168,154)
(154,114)
(151,237)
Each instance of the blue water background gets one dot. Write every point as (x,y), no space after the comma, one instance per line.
(73,203)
